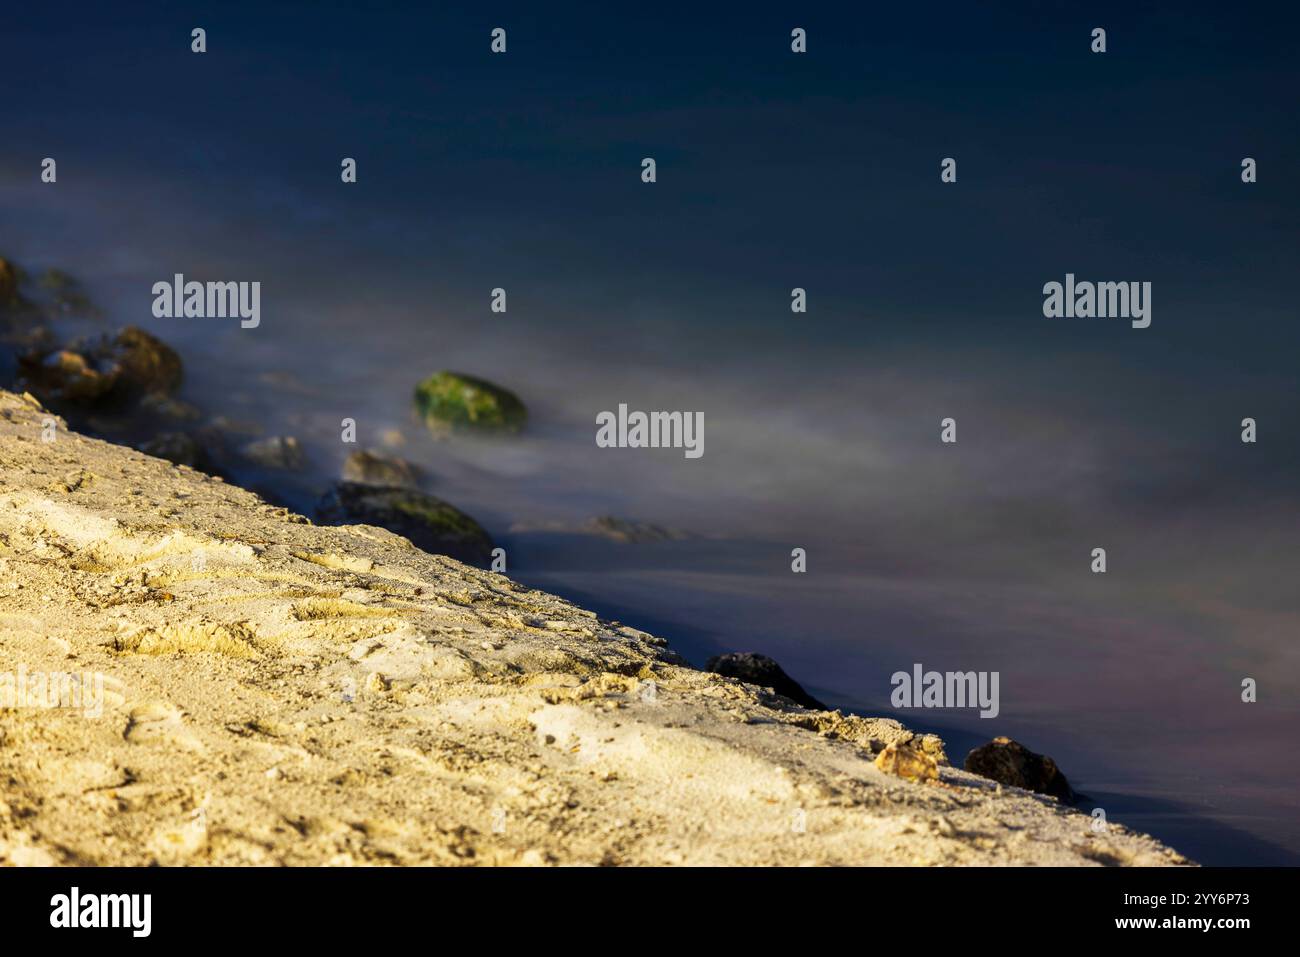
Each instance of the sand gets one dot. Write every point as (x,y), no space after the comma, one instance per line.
(274,692)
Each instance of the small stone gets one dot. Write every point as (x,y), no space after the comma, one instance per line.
(908,763)
(932,745)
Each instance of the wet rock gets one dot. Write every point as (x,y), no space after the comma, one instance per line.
(287,382)
(1011,763)
(21,322)
(67,295)
(177,448)
(66,376)
(450,400)
(166,408)
(623,530)
(375,468)
(234,428)
(215,444)
(756,669)
(282,452)
(429,522)
(116,368)
(27,335)
(908,763)
(10,279)
(141,363)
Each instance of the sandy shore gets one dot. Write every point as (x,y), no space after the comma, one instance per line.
(274,692)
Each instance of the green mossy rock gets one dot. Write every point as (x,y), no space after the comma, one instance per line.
(450,400)
(429,522)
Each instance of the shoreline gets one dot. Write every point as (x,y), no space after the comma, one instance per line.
(281,692)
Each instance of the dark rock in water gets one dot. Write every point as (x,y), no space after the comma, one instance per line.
(167,409)
(450,400)
(108,369)
(10,279)
(68,297)
(1011,763)
(430,523)
(375,468)
(66,376)
(177,448)
(21,323)
(26,335)
(141,363)
(234,428)
(277,452)
(622,530)
(761,670)
(215,443)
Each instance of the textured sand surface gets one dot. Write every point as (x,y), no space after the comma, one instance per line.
(281,693)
